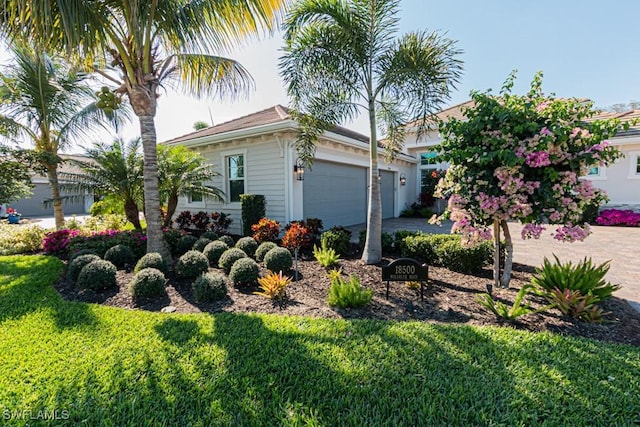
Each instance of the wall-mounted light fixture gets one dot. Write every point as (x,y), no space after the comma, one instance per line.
(298,170)
(403,179)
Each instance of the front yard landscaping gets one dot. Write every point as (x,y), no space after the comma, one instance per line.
(100,365)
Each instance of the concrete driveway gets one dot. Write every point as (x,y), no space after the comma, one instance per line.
(621,245)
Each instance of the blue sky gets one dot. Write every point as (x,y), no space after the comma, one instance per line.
(587,49)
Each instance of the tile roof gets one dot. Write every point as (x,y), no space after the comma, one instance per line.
(271,115)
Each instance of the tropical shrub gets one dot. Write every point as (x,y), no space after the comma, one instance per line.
(326,257)
(200,220)
(337,238)
(229,257)
(314,227)
(248,245)
(185,243)
(575,304)
(266,230)
(503,311)
(464,259)
(262,250)
(151,260)
(192,264)
(244,272)
(583,276)
(200,244)
(57,242)
(214,250)
(273,286)
(210,287)
(296,237)
(228,240)
(104,222)
(618,217)
(254,207)
(20,240)
(278,259)
(183,220)
(148,282)
(120,256)
(78,263)
(98,275)
(349,293)
(220,222)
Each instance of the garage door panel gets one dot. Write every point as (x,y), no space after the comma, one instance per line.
(335,193)
(387,193)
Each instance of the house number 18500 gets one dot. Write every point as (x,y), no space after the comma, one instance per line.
(405,269)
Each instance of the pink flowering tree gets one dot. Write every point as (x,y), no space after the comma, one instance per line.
(520,158)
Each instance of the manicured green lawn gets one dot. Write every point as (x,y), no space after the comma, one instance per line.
(106,366)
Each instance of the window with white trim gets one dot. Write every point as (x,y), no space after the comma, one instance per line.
(235,174)
(634,165)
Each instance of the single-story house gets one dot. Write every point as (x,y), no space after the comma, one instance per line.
(33,205)
(620,180)
(256,154)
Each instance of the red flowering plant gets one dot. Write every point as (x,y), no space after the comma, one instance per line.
(57,242)
(266,230)
(296,237)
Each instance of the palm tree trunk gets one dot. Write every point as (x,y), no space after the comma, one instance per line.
(58,213)
(372,253)
(155,237)
(508,262)
(132,213)
(172,204)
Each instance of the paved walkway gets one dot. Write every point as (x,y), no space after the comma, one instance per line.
(621,245)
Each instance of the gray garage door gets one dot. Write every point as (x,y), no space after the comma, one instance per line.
(33,205)
(335,193)
(387,185)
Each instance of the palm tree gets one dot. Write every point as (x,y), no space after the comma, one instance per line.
(112,170)
(47,102)
(182,172)
(141,45)
(343,57)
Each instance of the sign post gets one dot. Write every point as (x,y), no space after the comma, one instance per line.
(406,270)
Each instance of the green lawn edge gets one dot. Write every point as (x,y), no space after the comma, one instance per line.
(70,363)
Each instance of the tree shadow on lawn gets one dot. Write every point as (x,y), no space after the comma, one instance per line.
(27,288)
(258,370)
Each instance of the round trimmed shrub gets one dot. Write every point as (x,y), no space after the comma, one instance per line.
(468,260)
(200,244)
(192,264)
(75,266)
(98,275)
(214,250)
(82,252)
(244,271)
(120,256)
(210,287)
(148,282)
(185,243)
(211,235)
(151,260)
(248,245)
(229,257)
(227,239)
(278,259)
(263,249)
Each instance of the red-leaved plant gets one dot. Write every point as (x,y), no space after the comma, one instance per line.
(266,230)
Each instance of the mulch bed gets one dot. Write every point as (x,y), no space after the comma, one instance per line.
(449,298)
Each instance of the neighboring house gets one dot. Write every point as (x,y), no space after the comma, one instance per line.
(256,154)
(34,206)
(620,180)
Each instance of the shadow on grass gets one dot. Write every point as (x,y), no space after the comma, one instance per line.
(26,287)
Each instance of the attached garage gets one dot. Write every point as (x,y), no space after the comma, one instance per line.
(33,206)
(387,193)
(335,193)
